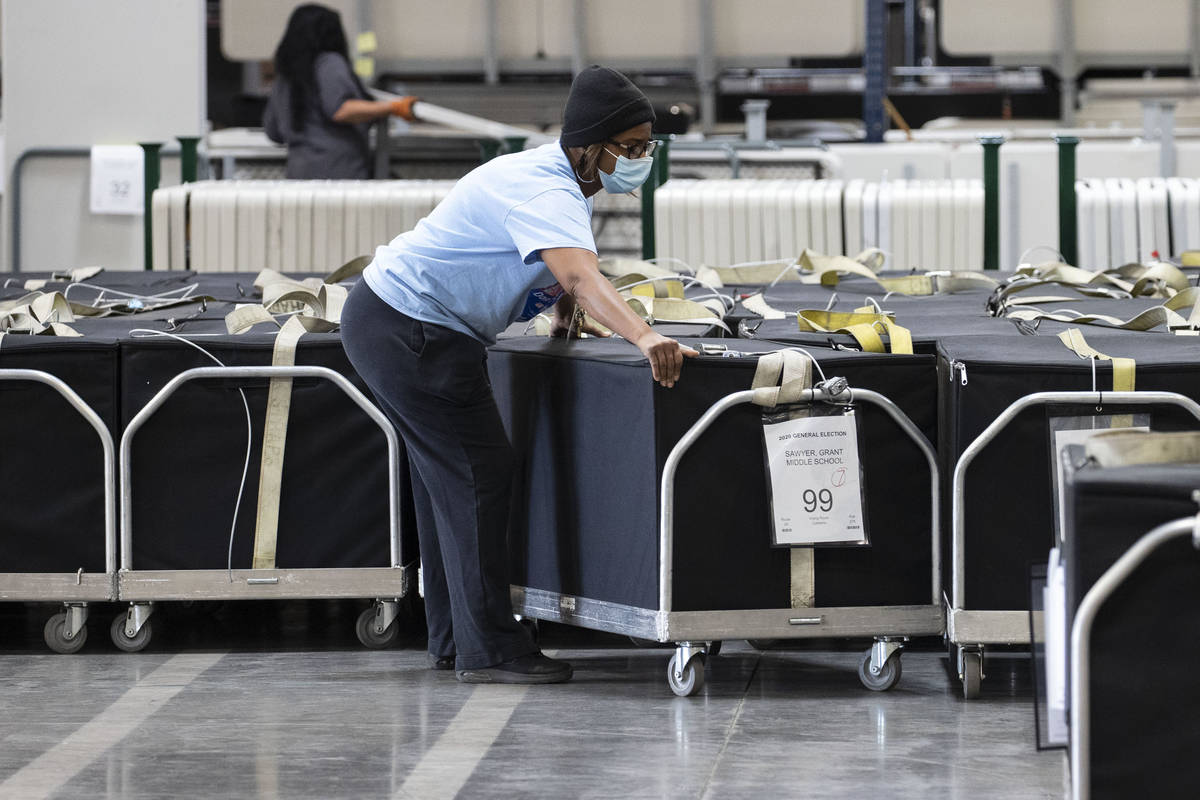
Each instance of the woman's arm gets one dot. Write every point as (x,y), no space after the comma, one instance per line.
(578,272)
(271,118)
(354,111)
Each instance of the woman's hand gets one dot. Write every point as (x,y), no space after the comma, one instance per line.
(665,356)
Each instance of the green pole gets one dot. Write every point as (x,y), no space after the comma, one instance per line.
(488,149)
(151,169)
(514,144)
(991,200)
(659,174)
(1068,237)
(187,157)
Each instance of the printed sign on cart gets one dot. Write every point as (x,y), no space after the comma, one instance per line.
(1068,430)
(117,179)
(816,480)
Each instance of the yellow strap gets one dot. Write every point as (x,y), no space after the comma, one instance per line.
(678,311)
(661,287)
(1147,320)
(710,277)
(1156,272)
(270,477)
(899,338)
(827,271)
(867,336)
(962,280)
(38,313)
(1167,314)
(348,270)
(1158,279)
(781,377)
(864,327)
(823,321)
(1124,447)
(1124,369)
(793,370)
(619,267)
(757,304)
(320,309)
(804,589)
(775,271)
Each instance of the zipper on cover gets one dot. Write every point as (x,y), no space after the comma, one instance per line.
(961,368)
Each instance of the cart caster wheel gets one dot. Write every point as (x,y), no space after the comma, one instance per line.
(762,644)
(888,677)
(972,676)
(55,634)
(713,649)
(130,644)
(531,625)
(369,636)
(692,679)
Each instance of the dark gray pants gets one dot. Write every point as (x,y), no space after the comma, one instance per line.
(432,383)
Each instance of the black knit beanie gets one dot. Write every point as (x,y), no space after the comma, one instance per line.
(602,103)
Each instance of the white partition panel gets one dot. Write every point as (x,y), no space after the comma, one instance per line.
(870,216)
(885,240)
(918,224)
(296,226)
(852,211)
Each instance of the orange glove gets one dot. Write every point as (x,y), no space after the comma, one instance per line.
(403,107)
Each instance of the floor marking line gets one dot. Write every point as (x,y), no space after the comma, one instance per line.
(737,715)
(50,771)
(447,766)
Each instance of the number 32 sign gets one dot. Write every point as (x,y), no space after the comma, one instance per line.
(816,488)
(117,179)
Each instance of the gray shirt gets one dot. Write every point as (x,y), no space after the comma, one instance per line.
(322,148)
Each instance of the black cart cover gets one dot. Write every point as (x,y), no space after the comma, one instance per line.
(1009,507)
(591,431)
(1145,642)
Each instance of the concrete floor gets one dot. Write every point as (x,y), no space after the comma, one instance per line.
(279,700)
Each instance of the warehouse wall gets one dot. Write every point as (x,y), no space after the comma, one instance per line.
(85,72)
(1112,27)
(617,30)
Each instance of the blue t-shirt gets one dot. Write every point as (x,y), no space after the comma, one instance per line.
(474,264)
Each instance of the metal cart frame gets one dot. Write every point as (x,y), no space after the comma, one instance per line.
(1081,631)
(142,588)
(65,632)
(970,630)
(696,632)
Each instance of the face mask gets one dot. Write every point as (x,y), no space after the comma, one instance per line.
(629,174)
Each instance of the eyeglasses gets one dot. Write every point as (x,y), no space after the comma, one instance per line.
(638,149)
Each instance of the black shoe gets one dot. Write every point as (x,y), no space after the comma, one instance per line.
(439,662)
(533,668)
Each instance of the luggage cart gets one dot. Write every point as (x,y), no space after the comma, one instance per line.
(66,631)
(696,634)
(969,631)
(376,626)
(1097,596)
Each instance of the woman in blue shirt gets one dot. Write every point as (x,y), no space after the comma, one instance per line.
(511,239)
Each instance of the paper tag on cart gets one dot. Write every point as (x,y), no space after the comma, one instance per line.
(816,480)
(116,180)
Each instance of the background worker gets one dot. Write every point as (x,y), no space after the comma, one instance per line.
(318,107)
(511,239)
